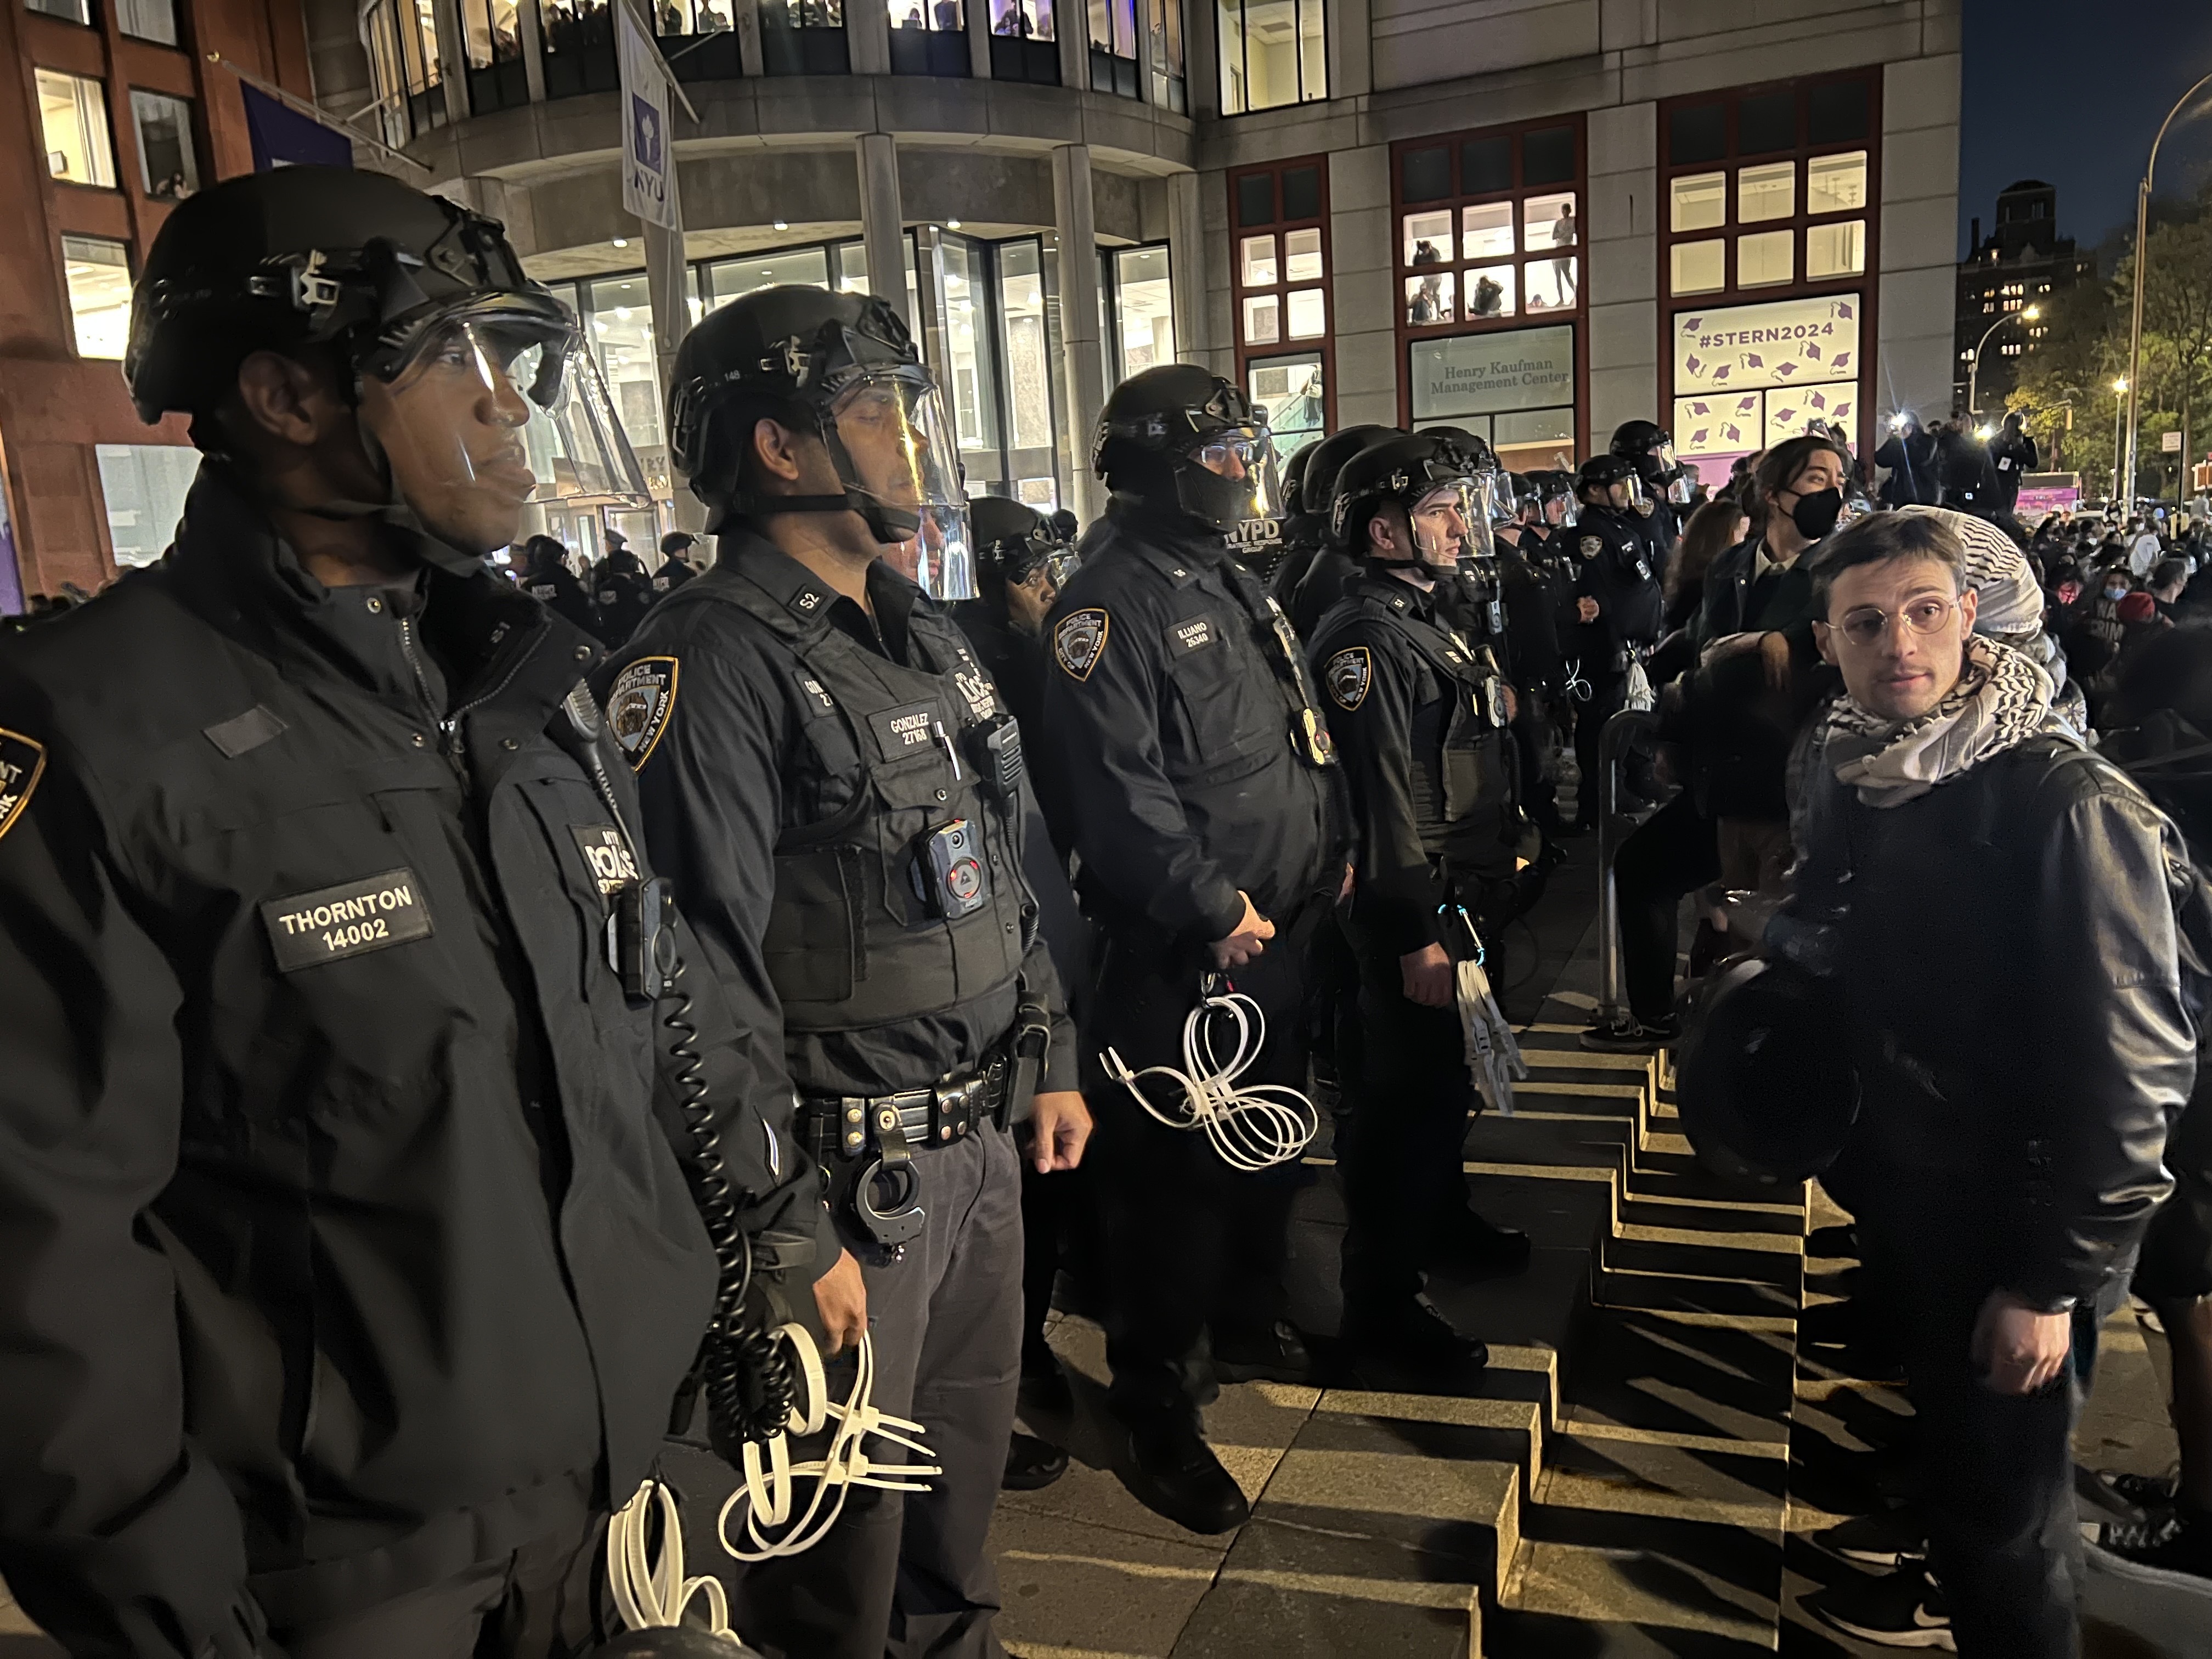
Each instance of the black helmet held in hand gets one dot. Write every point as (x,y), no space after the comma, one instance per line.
(1764,1080)
(1180,437)
(1013,542)
(839,367)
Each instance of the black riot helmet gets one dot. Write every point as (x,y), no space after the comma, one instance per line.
(419,305)
(1013,542)
(1446,501)
(1179,437)
(1482,458)
(1294,477)
(1327,458)
(1559,495)
(841,368)
(1765,1082)
(1650,447)
(1600,473)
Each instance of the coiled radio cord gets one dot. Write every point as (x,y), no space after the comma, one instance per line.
(746,1372)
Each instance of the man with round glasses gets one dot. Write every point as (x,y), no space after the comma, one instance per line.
(1997,907)
(1205,806)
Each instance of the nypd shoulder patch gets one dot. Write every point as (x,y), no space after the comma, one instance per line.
(23,762)
(1349,673)
(1080,640)
(638,706)
(1592,546)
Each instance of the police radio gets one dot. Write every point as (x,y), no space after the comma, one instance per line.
(948,876)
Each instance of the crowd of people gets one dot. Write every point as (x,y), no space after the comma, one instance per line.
(481,1044)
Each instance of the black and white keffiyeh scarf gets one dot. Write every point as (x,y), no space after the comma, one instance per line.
(2002,696)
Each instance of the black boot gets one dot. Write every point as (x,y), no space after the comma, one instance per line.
(1031,1463)
(1276,1354)
(1413,1334)
(1174,1473)
(1472,1243)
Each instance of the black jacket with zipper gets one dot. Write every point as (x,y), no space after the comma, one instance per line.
(345,1243)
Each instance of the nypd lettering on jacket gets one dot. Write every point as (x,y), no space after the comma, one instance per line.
(349,920)
(606,855)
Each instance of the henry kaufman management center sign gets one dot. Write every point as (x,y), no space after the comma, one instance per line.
(1493,374)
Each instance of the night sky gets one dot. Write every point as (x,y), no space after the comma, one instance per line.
(2072,93)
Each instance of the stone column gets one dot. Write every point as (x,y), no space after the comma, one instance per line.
(979,39)
(1620,276)
(883,222)
(1919,205)
(453,48)
(868,36)
(533,49)
(1078,233)
(1187,267)
(1071,22)
(1365,319)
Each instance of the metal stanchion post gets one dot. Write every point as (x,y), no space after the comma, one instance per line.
(1621,732)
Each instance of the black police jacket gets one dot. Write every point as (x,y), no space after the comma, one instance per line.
(1532,616)
(1190,774)
(672,574)
(2009,949)
(344,1250)
(798,761)
(623,593)
(1612,564)
(552,584)
(1418,715)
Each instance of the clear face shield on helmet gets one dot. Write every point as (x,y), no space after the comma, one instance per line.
(1680,485)
(1631,495)
(1455,525)
(1233,483)
(1561,509)
(492,410)
(894,451)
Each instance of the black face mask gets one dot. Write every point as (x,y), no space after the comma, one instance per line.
(1815,516)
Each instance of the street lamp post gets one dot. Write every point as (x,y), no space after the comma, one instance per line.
(2142,271)
(1974,369)
(2119,403)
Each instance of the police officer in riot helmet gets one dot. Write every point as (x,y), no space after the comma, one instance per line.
(1611,610)
(676,566)
(1530,589)
(545,576)
(1648,446)
(1021,564)
(1312,578)
(1419,707)
(837,785)
(366,1274)
(1208,815)
(622,589)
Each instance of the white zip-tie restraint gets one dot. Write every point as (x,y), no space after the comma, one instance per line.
(1252,1129)
(770,1475)
(652,1595)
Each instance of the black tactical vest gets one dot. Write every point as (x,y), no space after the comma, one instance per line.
(910,901)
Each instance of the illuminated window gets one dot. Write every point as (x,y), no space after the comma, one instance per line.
(1273,53)
(1279,218)
(98,274)
(1766,192)
(1699,267)
(73,113)
(1766,259)
(1836,184)
(168,170)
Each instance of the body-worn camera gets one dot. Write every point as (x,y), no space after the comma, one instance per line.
(948,871)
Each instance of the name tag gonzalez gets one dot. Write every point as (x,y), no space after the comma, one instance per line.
(346,920)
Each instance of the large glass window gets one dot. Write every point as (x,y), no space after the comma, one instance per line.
(963,297)
(147,19)
(1516,388)
(1294,393)
(1770,199)
(491,30)
(1163,23)
(928,37)
(144,486)
(98,274)
(1142,300)
(697,39)
(1023,44)
(620,310)
(1279,224)
(1026,342)
(69,11)
(578,38)
(804,37)
(1113,47)
(405,65)
(732,279)
(167,166)
(1273,53)
(73,113)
